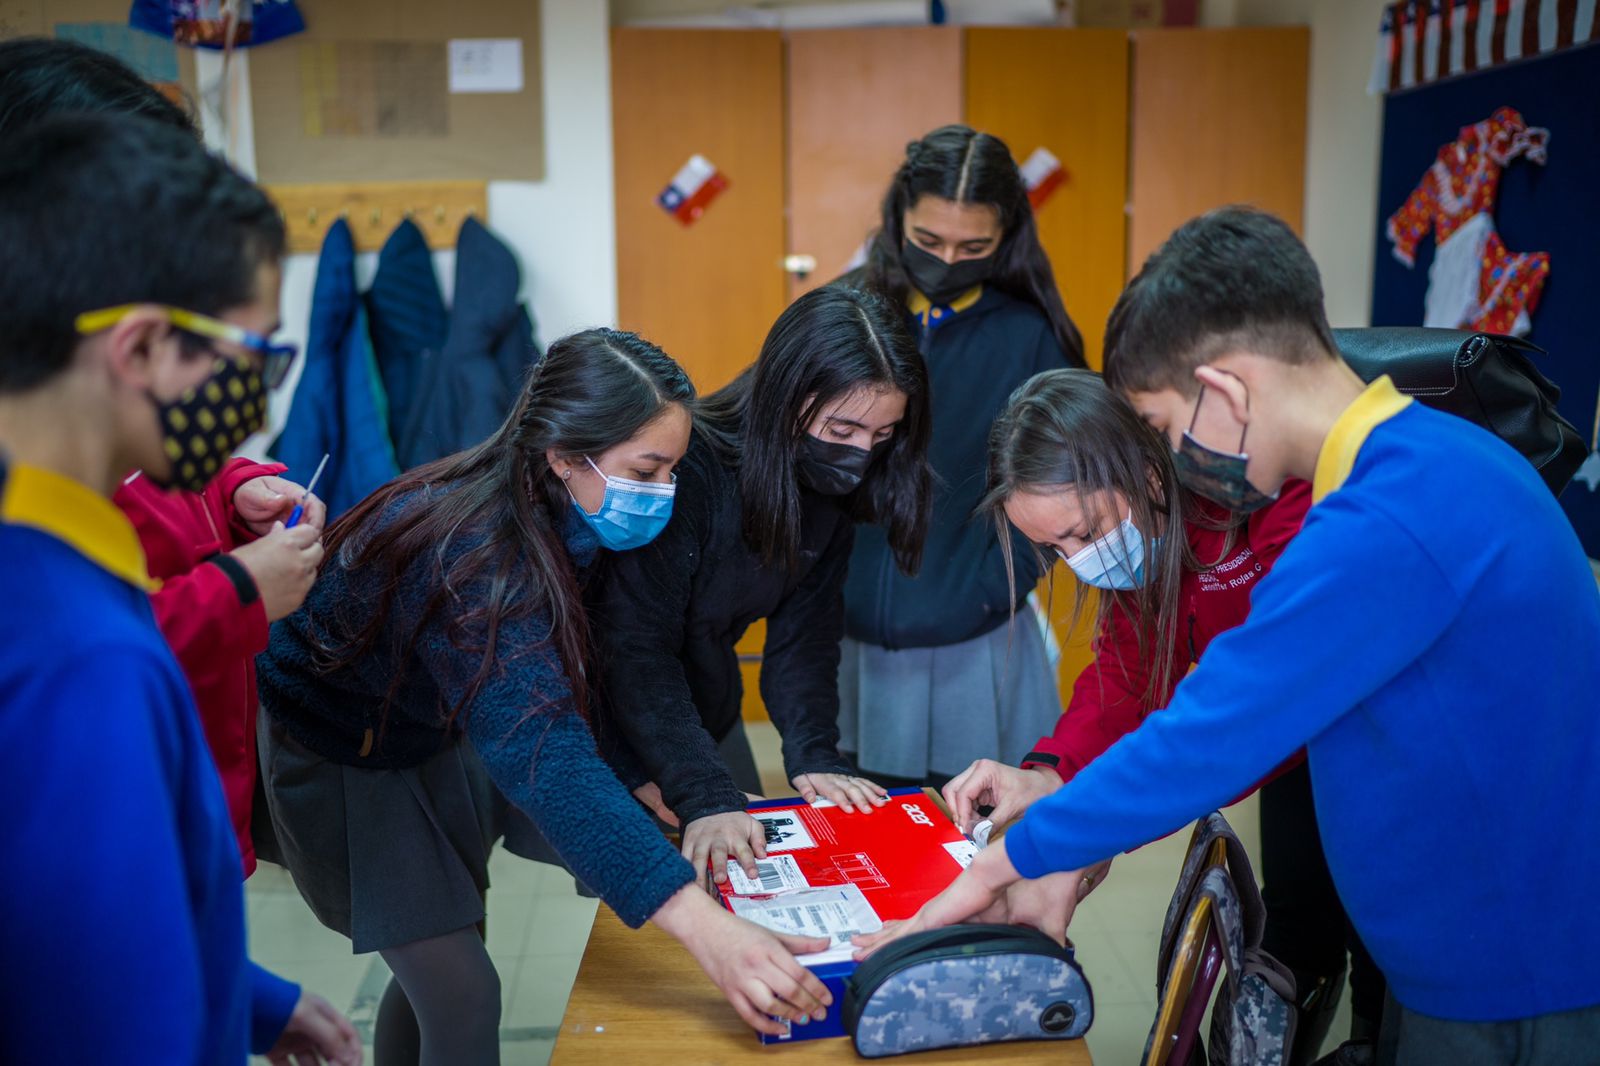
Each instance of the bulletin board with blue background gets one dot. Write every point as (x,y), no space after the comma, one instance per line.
(1528,246)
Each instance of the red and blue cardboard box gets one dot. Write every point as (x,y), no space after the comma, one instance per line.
(829,873)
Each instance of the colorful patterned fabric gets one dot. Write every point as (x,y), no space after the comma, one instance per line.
(1475,282)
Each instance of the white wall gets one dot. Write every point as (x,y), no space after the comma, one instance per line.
(1343,139)
(563,229)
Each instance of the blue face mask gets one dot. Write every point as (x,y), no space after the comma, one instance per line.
(632,513)
(1115,561)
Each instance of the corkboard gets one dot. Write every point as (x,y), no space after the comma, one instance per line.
(39,18)
(363,95)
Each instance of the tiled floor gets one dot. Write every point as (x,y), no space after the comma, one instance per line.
(538,927)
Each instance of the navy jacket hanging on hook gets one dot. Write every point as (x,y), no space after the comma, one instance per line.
(203,23)
(338,408)
(461,395)
(409,323)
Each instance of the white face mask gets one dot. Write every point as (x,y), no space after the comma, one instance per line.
(1114,561)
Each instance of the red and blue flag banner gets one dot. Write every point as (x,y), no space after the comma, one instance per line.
(692,189)
(1422,41)
(1043,174)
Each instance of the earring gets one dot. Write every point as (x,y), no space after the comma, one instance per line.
(566,475)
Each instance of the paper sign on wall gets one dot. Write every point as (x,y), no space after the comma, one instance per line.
(486,65)
(692,189)
(1043,173)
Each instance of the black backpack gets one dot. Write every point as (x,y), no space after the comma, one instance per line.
(1487,379)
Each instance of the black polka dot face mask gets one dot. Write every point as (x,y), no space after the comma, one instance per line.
(202,427)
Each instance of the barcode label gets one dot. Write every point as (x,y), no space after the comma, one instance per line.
(835,913)
(775,873)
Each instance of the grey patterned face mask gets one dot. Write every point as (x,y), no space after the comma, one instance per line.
(1218,476)
(965,985)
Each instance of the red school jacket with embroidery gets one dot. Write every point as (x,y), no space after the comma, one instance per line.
(214,633)
(1108,698)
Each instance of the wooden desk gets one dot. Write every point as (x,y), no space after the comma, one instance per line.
(640,998)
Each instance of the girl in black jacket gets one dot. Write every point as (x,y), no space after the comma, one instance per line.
(828,428)
(932,675)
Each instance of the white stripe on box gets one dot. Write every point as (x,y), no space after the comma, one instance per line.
(1485,34)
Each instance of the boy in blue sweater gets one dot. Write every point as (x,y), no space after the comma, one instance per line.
(139,278)
(1432,638)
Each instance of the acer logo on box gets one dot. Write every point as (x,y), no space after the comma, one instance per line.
(917,814)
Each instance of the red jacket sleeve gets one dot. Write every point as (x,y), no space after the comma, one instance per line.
(1272,528)
(1108,700)
(218,495)
(202,617)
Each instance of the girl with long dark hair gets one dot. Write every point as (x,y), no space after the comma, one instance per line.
(829,428)
(442,655)
(1074,468)
(931,677)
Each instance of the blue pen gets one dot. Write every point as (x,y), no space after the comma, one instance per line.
(300,508)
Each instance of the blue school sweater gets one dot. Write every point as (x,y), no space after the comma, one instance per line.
(1432,637)
(122,924)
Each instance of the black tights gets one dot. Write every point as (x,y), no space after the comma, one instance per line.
(442,1007)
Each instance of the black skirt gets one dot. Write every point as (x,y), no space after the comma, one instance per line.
(386,857)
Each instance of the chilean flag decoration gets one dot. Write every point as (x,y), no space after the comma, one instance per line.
(692,189)
(1043,174)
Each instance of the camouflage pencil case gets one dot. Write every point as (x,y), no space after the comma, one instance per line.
(968,984)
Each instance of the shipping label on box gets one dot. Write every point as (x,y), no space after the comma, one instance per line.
(832,874)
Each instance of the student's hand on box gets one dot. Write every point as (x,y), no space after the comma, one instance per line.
(261,501)
(649,794)
(978,895)
(754,968)
(850,793)
(717,837)
(1007,789)
(316,1033)
(283,564)
(1048,903)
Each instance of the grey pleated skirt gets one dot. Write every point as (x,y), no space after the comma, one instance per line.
(925,711)
(388,857)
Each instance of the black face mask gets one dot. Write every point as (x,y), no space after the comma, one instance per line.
(939,281)
(831,468)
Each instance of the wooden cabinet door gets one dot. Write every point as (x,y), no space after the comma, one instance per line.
(856,97)
(1065,91)
(707,293)
(1219,117)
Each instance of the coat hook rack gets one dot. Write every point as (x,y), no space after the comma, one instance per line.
(373,209)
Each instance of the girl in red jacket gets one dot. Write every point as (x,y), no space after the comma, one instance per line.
(1075,470)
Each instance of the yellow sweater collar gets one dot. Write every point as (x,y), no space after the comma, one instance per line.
(79,517)
(1378,403)
(921,306)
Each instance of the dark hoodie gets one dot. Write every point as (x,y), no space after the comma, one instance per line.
(979,348)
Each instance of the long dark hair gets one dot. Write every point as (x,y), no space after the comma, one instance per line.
(825,345)
(1064,429)
(592,391)
(958,163)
